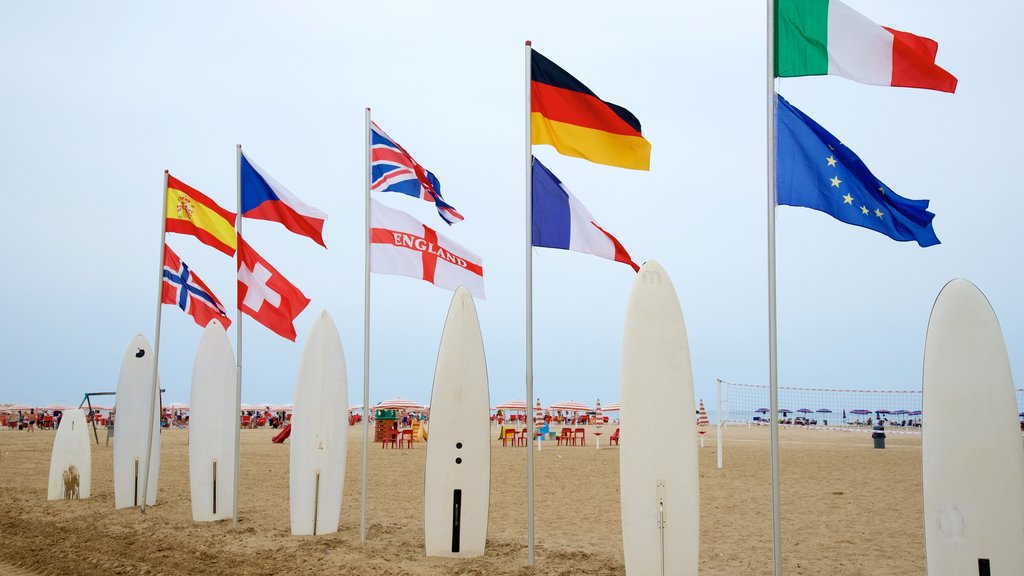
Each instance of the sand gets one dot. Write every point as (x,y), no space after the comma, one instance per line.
(848,510)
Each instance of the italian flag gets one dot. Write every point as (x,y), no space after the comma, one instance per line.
(818,37)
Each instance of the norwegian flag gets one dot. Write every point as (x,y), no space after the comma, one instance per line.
(183,288)
(394,170)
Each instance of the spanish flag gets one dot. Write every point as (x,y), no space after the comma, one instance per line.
(189,211)
(569,116)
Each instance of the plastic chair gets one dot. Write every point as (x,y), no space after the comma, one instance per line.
(390,436)
(564,436)
(614,438)
(521,438)
(510,436)
(581,435)
(406,439)
(245,421)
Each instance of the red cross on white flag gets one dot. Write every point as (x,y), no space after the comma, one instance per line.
(402,245)
(266,295)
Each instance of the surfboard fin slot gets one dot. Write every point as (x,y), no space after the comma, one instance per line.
(984,569)
(316,503)
(135,496)
(660,495)
(456,519)
(215,487)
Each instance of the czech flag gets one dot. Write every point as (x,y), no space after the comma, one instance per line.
(561,221)
(569,116)
(264,198)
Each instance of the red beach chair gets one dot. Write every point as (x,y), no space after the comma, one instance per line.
(614,438)
(406,439)
(564,436)
(390,436)
(581,435)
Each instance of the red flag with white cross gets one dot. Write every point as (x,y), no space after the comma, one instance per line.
(266,295)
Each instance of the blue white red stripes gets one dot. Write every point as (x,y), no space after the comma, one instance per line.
(394,170)
(561,221)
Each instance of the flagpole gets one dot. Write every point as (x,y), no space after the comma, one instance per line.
(530,536)
(366,339)
(773,368)
(155,391)
(238,336)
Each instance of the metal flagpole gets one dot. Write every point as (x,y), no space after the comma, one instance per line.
(773,369)
(366,341)
(155,391)
(238,336)
(529,313)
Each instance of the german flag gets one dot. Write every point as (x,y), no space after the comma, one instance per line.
(189,211)
(569,116)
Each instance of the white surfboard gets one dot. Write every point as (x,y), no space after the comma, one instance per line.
(971,451)
(71,459)
(319,432)
(212,427)
(457,473)
(134,387)
(658,476)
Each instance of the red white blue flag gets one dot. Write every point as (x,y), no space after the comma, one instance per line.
(264,198)
(184,289)
(266,295)
(392,169)
(562,221)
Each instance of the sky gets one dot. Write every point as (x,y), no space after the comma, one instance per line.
(99,98)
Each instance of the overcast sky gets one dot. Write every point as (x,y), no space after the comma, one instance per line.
(99,98)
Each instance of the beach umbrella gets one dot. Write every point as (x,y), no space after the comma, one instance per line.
(702,422)
(398,404)
(784,411)
(518,405)
(612,407)
(762,410)
(805,410)
(914,413)
(56,407)
(823,411)
(171,406)
(860,412)
(571,406)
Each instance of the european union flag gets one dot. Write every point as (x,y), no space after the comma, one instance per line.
(815,170)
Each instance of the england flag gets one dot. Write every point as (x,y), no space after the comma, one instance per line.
(404,246)
(392,169)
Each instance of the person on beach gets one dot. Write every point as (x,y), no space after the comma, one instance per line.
(32,420)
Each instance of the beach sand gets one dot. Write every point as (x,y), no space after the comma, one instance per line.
(847,510)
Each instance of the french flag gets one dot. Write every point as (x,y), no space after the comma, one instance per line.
(264,198)
(561,221)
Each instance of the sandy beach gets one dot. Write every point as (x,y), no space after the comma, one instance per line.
(847,510)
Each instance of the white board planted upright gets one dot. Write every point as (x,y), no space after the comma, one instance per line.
(457,472)
(319,432)
(658,456)
(71,459)
(131,417)
(212,427)
(971,451)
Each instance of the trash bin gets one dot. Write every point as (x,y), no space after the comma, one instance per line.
(878,435)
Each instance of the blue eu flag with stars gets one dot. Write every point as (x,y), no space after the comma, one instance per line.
(815,170)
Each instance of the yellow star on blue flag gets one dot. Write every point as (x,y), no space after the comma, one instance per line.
(803,179)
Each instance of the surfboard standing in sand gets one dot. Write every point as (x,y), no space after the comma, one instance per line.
(971,452)
(319,435)
(457,473)
(71,459)
(213,425)
(132,416)
(658,455)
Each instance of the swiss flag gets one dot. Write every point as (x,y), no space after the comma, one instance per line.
(265,294)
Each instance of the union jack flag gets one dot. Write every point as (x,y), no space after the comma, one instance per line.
(184,289)
(394,170)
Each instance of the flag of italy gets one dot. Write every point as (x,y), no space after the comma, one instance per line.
(818,37)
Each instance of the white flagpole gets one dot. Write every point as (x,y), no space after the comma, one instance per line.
(366,341)
(529,312)
(155,392)
(238,336)
(773,368)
